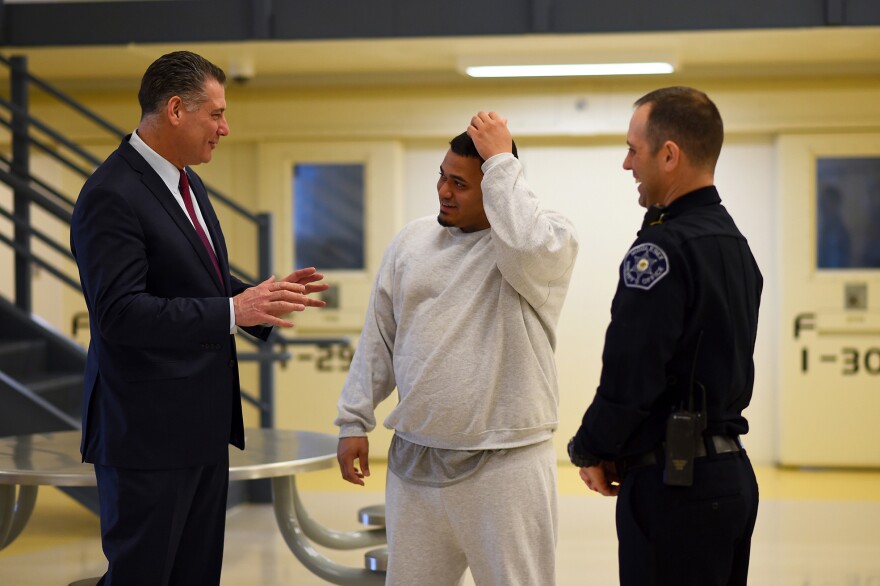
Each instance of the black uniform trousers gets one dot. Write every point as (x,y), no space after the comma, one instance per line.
(163,527)
(688,536)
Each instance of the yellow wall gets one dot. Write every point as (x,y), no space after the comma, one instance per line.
(571,136)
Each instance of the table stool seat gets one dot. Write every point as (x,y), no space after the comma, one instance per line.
(376,560)
(372,516)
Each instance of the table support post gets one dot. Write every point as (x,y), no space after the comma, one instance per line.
(15,512)
(335,539)
(287,509)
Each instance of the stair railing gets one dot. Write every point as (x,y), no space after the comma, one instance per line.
(28,132)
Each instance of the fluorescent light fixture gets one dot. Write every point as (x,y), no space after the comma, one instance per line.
(570,69)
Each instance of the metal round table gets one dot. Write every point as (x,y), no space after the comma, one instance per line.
(53,459)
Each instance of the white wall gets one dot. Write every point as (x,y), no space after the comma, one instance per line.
(589,185)
(746,177)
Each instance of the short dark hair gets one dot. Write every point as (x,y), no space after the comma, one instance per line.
(463,146)
(688,118)
(180,73)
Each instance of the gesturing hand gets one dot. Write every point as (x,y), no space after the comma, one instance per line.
(306,277)
(271,299)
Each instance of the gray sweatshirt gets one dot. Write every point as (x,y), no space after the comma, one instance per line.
(464,325)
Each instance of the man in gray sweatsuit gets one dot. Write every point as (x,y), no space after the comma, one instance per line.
(462,320)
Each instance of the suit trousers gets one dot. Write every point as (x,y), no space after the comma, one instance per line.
(163,527)
(688,536)
(501,522)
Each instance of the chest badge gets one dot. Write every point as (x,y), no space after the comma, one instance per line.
(644,266)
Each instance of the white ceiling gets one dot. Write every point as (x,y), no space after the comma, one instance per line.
(820,52)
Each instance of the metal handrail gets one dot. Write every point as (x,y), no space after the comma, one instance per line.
(17,176)
(42,236)
(36,197)
(40,262)
(43,185)
(62,97)
(52,133)
(48,150)
(115,130)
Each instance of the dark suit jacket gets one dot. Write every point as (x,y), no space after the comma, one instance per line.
(161,380)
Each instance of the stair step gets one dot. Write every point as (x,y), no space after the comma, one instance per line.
(20,357)
(43,381)
(64,390)
(27,348)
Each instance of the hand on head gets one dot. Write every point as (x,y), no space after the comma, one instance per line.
(490,134)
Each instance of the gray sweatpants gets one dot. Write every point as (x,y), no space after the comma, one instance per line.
(501,521)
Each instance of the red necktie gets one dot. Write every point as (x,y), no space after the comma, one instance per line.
(187,202)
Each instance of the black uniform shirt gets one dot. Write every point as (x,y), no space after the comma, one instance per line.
(689,276)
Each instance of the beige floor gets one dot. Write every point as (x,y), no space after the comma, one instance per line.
(815,528)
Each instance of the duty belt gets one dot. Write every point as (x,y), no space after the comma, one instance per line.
(721,444)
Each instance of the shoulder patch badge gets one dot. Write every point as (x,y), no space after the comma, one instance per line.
(644,266)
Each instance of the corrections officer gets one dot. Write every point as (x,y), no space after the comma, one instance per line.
(663,430)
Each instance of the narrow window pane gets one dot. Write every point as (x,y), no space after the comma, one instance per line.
(848,213)
(328,216)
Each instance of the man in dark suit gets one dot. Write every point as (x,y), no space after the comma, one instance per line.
(162,400)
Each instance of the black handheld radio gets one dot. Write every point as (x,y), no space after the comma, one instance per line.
(684,429)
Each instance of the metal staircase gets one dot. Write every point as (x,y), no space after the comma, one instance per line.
(41,368)
(41,375)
